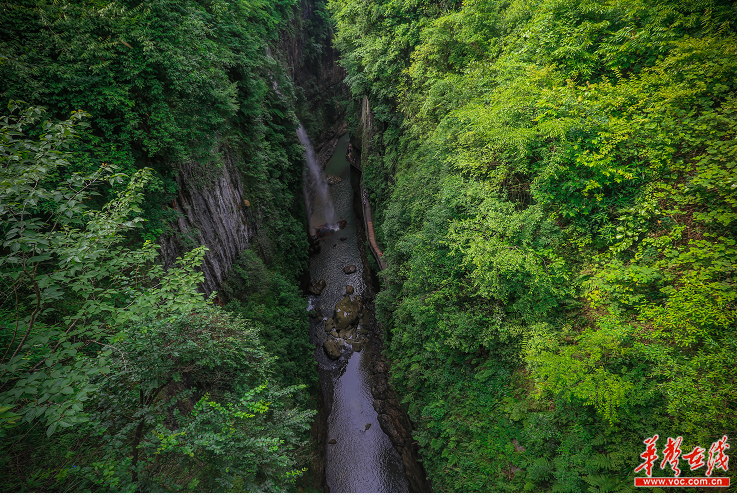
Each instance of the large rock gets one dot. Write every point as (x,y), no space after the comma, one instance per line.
(317,286)
(346,333)
(342,224)
(332,348)
(332,179)
(323,230)
(349,269)
(349,289)
(347,312)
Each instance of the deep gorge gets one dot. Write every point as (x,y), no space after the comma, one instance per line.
(231,189)
(527,274)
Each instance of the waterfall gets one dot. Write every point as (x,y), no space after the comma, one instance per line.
(320,209)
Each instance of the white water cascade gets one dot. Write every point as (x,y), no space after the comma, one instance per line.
(320,209)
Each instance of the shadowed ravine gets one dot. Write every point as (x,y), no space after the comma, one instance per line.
(362,458)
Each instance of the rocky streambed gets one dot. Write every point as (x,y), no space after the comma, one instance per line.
(368,445)
(348,326)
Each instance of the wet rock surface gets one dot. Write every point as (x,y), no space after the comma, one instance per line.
(317,286)
(349,269)
(332,349)
(315,247)
(347,312)
(343,325)
(395,422)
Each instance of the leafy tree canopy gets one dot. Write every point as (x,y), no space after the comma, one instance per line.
(556,188)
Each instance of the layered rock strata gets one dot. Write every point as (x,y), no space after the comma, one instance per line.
(214,214)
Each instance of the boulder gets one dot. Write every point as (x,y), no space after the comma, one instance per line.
(333,441)
(357,347)
(368,425)
(343,239)
(334,334)
(349,290)
(324,230)
(342,224)
(346,312)
(349,269)
(332,179)
(317,286)
(332,349)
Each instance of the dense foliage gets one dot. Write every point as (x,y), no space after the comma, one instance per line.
(115,374)
(557,196)
(275,304)
(165,82)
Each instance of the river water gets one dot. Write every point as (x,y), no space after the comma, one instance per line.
(362,459)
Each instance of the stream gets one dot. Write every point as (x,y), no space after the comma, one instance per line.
(361,458)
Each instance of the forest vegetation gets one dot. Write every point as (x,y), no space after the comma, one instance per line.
(555,187)
(117,375)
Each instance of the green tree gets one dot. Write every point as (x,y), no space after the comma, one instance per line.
(104,344)
(556,197)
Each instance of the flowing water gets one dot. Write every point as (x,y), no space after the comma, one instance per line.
(362,459)
(320,207)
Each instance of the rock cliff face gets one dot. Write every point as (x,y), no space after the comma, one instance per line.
(215,215)
(396,424)
(317,73)
(365,131)
(320,78)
